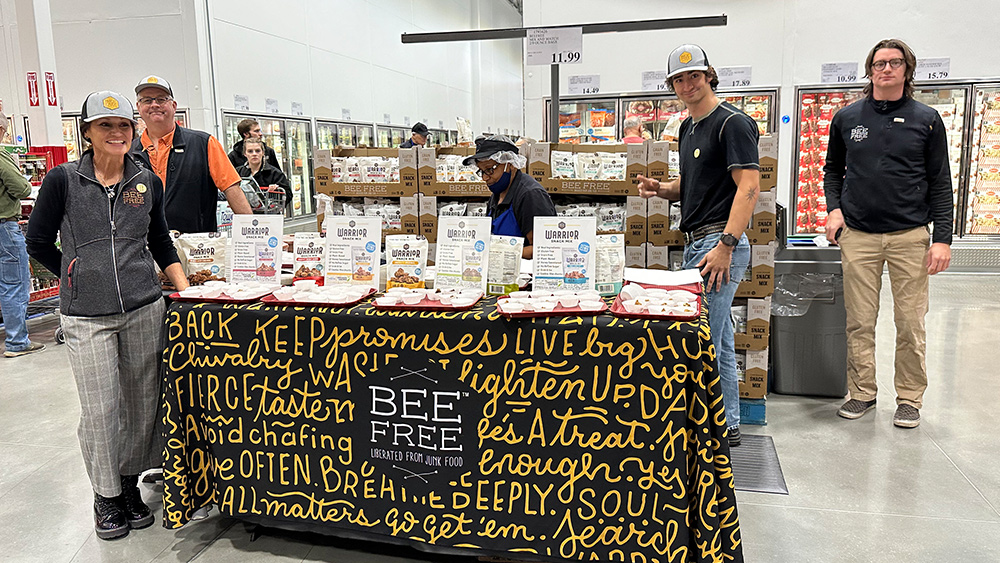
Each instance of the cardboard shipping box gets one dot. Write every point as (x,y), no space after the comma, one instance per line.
(758,325)
(754,383)
(635,221)
(758,282)
(326,184)
(427,208)
(658,229)
(635,256)
(762,224)
(657,257)
(767,151)
(428,178)
(540,168)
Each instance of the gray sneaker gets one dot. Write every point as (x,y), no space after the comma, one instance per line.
(907,416)
(856,409)
(33,347)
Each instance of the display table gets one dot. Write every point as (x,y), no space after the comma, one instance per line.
(577,438)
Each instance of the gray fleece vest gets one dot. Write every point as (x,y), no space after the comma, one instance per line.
(107,267)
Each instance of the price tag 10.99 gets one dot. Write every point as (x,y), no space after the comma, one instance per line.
(734,76)
(585,84)
(837,73)
(547,46)
(932,69)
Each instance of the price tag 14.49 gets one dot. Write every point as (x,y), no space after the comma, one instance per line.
(547,46)
(734,76)
(585,84)
(838,73)
(932,69)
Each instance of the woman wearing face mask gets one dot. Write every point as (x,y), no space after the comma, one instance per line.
(517,198)
(263,173)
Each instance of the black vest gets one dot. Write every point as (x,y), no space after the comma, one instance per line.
(190,195)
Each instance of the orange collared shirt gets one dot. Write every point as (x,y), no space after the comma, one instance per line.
(219,166)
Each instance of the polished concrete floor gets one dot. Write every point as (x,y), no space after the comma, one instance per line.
(860,490)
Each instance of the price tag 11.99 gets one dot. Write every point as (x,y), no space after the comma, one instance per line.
(933,69)
(734,76)
(837,73)
(585,84)
(547,46)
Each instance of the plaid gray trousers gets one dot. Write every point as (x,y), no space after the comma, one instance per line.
(115,361)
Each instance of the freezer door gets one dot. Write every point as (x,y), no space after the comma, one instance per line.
(950,103)
(982,201)
(816,108)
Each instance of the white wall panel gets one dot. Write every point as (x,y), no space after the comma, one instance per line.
(340,83)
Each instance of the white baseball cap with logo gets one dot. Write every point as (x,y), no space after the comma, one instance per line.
(686,58)
(107,104)
(153,81)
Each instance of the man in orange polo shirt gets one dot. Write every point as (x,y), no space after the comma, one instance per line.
(192,164)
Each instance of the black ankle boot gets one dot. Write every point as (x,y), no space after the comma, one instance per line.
(135,510)
(109,519)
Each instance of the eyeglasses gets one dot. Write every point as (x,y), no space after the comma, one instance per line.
(894,63)
(488,171)
(161,100)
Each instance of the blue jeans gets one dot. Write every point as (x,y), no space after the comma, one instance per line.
(15,286)
(719,305)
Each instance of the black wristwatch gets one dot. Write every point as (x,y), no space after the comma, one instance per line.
(729,240)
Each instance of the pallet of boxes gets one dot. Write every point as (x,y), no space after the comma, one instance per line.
(751,311)
(597,180)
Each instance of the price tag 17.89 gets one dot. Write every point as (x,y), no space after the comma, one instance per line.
(933,69)
(837,73)
(734,76)
(585,84)
(547,46)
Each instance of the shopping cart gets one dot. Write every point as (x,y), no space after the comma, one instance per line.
(263,201)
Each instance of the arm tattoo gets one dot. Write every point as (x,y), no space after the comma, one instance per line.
(752,193)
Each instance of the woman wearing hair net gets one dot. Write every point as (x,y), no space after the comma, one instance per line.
(517,198)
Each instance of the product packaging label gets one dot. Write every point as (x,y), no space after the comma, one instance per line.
(564,250)
(463,254)
(353,251)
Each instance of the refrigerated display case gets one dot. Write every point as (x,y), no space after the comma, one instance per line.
(398,136)
(384,140)
(815,108)
(366,135)
(660,114)
(327,135)
(291,140)
(982,201)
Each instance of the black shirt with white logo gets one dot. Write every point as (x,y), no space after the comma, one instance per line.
(887,167)
(711,147)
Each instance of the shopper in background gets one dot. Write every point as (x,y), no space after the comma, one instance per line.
(632,130)
(249,128)
(264,174)
(192,165)
(517,198)
(418,136)
(718,186)
(106,208)
(886,177)
(15,273)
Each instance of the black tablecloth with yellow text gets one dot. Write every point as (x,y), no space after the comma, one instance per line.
(548,439)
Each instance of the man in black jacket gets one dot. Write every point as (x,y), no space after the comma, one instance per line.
(249,128)
(886,178)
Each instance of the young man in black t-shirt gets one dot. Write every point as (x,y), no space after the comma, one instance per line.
(718,186)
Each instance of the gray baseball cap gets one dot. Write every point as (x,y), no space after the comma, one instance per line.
(153,81)
(107,104)
(685,58)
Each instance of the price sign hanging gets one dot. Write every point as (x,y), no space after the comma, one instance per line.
(836,73)
(734,76)
(654,81)
(585,84)
(932,69)
(547,46)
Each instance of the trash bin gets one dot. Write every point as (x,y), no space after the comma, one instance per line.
(809,322)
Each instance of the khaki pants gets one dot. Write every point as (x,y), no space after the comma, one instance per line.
(863,256)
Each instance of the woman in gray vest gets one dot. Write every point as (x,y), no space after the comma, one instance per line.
(108,213)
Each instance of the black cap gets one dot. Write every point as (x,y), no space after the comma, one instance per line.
(485,148)
(419,129)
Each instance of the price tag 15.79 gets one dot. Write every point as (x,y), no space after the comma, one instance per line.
(837,73)
(932,69)
(734,76)
(585,84)
(547,46)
